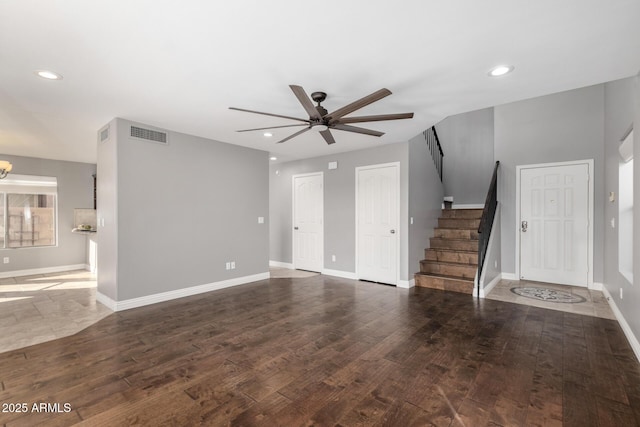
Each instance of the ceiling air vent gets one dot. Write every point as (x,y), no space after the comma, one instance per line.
(149,135)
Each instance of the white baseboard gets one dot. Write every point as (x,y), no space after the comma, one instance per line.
(338,273)
(46,270)
(492,284)
(633,341)
(467,206)
(281,264)
(407,283)
(509,276)
(178,293)
(597,286)
(106,301)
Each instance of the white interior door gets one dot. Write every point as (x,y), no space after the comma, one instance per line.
(554,224)
(377,216)
(308,231)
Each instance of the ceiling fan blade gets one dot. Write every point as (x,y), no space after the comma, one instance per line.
(381,117)
(356,105)
(294,135)
(357,130)
(306,102)
(269,114)
(272,127)
(326,134)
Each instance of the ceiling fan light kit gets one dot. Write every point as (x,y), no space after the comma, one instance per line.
(322,121)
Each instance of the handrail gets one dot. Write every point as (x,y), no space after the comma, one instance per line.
(486,222)
(433,143)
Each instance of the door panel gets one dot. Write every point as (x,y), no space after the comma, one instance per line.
(378,224)
(307,222)
(554,224)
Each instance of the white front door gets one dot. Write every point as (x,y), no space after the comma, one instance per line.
(308,231)
(554,224)
(377,223)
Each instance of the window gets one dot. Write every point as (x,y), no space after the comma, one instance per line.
(625,210)
(28,211)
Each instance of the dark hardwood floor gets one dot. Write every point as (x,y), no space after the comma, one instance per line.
(328,351)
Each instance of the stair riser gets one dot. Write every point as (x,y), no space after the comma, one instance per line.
(462,245)
(449,233)
(458,223)
(442,283)
(451,256)
(462,271)
(462,213)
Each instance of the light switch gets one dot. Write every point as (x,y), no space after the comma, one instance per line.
(333,165)
(260,220)
(613,223)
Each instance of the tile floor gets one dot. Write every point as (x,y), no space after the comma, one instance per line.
(595,305)
(44,307)
(286,273)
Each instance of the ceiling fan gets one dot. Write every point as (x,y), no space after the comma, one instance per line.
(323,121)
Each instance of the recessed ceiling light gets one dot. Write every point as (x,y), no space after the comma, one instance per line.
(273,158)
(501,70)
(49,75)
(268,134)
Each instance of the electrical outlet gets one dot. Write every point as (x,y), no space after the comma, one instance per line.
(228,266)
(233,265)
(6,260)
(333,258)
(621,296)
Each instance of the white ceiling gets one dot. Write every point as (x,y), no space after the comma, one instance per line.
(180,65)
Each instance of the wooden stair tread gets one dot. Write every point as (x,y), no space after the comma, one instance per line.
(444,276)
(465,264)
(452,213)
(444,283)
(455,240)
(457,251)
(463,229)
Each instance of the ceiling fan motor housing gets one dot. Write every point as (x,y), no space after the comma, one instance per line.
(319,97)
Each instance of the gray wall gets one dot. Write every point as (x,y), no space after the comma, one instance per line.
(620,96)
(339,204)
(107,215)
(75,190)
(554,128)
(425,200)
(184,210)
(467,143)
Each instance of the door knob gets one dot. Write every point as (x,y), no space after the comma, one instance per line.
(295,228)
(524,226)
(393,231)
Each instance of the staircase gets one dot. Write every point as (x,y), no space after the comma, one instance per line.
(452,261)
